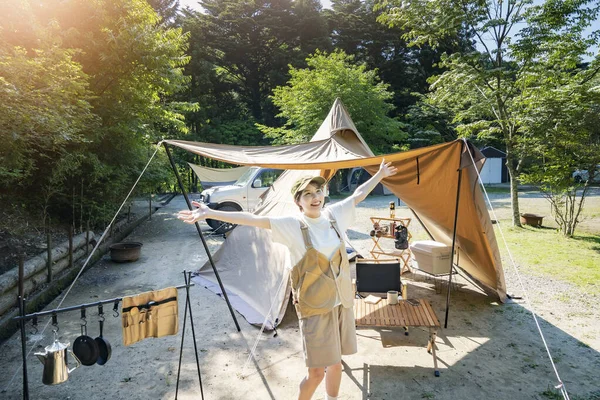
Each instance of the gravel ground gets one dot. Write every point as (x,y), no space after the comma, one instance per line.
(489,350)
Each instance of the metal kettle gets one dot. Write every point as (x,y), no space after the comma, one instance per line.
(55,362)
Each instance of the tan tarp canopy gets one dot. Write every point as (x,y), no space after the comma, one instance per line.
(217,176)
(253,268)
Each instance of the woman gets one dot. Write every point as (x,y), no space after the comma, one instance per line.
(321,285)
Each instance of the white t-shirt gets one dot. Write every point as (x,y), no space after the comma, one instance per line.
(287,230)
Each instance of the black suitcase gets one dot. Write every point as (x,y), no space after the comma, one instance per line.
(377,276)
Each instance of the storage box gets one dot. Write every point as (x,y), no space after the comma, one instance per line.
(431,257)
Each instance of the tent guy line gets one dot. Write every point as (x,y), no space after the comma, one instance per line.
(260,332)
(561,386)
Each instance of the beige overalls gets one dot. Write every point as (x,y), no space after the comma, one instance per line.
(328,331)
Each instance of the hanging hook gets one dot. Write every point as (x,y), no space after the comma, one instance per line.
(101,312)
(83,322)
(116,309)
(55,325)
(83,318)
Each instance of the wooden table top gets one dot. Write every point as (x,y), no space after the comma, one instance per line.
(404,313)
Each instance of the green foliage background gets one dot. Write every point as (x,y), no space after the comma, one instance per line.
(88,88)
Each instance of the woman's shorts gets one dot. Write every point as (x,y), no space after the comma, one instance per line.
(326,337)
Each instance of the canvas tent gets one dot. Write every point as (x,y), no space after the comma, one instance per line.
(253,269)
(210,177)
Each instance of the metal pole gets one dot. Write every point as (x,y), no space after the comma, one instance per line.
(77,307)
(182,339)
(23,348)
(454,235)
(22,326)
(188,301)
(212,263)
(70,246)
(49,252)
(87,238)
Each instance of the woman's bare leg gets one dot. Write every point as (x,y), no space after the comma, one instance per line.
(333,378)
(310,383)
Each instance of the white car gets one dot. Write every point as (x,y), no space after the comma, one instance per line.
(243,195)
(583,175)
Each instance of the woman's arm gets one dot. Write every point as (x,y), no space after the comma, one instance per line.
(234,217)
(363,190)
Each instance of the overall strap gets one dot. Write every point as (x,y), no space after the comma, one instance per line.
(305,235)
(335,227)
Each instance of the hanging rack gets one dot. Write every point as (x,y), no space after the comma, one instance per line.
(115,301)
(22,318)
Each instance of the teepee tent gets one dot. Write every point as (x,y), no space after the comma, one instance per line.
(254,269)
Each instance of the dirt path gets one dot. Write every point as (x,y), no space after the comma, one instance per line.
(488,351)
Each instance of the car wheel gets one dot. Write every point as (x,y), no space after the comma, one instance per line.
(578,179)
(221,227)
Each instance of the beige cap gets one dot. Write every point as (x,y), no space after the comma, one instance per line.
(303,182)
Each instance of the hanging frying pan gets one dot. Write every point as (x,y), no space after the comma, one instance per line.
(85,347)
(104,349)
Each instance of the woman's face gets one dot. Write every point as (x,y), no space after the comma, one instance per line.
(311,200)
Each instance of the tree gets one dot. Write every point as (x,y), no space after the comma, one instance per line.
(44,109)
(167,9)
(84,88)
(355,30)
(248,43)
(306,99)
(427,124)
(562,134)
(482,88)
(311,26)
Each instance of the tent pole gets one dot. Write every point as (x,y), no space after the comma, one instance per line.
(212,263)
(454,235)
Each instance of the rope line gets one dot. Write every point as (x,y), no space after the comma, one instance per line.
(262,328)
(41,334)
(560,384)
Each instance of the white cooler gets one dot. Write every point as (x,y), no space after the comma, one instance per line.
(431,257)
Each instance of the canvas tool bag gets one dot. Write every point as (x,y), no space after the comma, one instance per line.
(150,314)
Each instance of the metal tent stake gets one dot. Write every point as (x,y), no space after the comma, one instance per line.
(212,263)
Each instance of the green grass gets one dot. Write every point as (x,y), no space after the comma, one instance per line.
(545,252)
(552,393)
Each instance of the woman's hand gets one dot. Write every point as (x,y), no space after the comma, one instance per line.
(387,169)
(191,217)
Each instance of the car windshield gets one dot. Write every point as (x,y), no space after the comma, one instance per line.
(244,179)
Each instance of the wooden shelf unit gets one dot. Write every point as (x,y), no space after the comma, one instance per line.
(403,256)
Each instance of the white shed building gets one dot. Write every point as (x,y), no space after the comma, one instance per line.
(494,170)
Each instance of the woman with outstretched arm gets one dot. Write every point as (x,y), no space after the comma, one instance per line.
(320,274)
